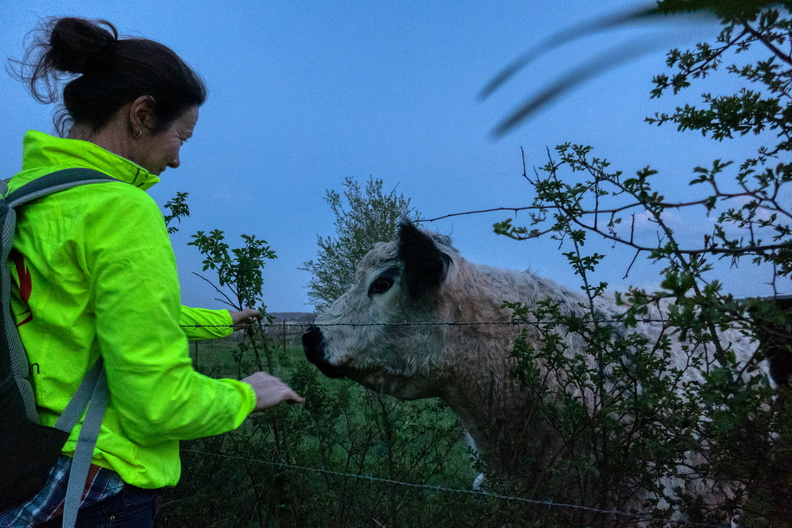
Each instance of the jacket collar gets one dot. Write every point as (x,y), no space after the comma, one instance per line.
(41,151)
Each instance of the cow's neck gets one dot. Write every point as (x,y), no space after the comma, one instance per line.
(478,382)
(512,441)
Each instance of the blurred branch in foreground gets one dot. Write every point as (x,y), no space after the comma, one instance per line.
(734,11)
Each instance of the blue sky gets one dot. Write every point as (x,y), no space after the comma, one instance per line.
(306,94)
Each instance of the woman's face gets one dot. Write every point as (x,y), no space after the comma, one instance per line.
(159,150)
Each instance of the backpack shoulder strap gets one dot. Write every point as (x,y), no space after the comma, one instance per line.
(93,394)
(54,182)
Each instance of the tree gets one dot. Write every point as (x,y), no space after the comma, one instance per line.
(752,216)
(578,196)
(365,219)
(725,10)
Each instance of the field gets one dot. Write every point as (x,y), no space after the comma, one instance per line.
(347,457)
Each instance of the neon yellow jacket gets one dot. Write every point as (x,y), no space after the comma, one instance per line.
(98,276)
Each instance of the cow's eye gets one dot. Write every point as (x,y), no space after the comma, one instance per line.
(380,285)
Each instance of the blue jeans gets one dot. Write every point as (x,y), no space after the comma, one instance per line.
(132,508)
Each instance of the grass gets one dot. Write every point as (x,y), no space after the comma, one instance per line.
(335,460)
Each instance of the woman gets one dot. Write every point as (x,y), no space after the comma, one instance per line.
(96,275)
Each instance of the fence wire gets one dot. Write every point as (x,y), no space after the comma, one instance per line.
(521,322)
(483,494)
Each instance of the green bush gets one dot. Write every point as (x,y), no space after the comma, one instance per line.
(339,459)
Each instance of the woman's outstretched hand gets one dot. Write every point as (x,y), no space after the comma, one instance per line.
(242,320)
(270,391)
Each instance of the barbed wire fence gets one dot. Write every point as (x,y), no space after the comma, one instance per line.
(630,517)
(286,333)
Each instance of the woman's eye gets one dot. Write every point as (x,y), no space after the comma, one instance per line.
(381,285)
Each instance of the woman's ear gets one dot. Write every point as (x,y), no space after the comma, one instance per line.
(141,115)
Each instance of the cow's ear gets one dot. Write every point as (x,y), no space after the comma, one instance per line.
(425,265)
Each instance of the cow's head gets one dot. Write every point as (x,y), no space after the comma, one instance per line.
(380,332)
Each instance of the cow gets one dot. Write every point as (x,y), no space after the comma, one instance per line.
(420,321)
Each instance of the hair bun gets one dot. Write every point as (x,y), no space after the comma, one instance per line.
(82,46)
(83,64)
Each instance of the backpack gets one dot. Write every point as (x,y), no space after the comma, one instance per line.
(29,450)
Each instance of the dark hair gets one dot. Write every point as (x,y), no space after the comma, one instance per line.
(106,73)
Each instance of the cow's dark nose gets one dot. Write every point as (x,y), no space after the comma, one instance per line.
(313,344)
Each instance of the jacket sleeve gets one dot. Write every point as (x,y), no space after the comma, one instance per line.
(154,389)
(201,323)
